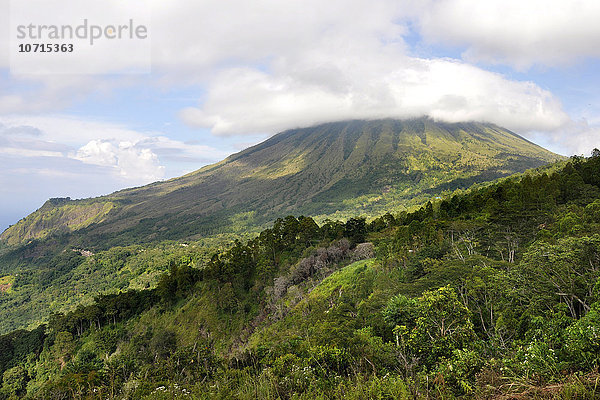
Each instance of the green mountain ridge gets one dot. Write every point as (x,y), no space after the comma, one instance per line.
(336,170)
(69,251)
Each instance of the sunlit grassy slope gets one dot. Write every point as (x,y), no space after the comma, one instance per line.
(334,170)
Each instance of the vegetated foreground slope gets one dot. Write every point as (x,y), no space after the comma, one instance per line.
(492,294)
(338,169)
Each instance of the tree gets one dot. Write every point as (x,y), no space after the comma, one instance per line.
(14,382)
(442,325)
(227,298)
(332,230)
(583,340)
(163,343)
(308,231)
(563,272)
(355,229)
(401,310)
(592,211)
(64,347)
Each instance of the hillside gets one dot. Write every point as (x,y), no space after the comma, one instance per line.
(489,294)
(336,170)
(69,251)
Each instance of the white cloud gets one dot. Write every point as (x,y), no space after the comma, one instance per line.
(268,65)
(575,137)
(127,155)
(58,156)
(585,141)
(98,152)
(246,100)
(342,62)
(43,93)
(28,152)
(319,60)
(515,32)
(70,130)
(196,37)
(129,161)
(175,150)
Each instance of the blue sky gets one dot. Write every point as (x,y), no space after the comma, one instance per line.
(226,75)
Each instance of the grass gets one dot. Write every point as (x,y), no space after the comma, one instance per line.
(345,277)
(6,283)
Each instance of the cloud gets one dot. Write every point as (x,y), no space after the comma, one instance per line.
(575,137)
(58,156)
(343,71)
(105,145)
(249,101)
(68,130)
(239,32)
(19,131)
(43,93)
(336,65)
(130,162)
(515,32)
(127,156)
(173,150)
(27,141)
(336,54)
(269,65)
(584,141)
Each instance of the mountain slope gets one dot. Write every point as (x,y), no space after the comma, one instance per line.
(340,169)
(489,294)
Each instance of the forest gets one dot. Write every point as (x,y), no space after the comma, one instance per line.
(489,293)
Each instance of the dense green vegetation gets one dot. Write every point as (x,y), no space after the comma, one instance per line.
(40,283)
(492,293)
